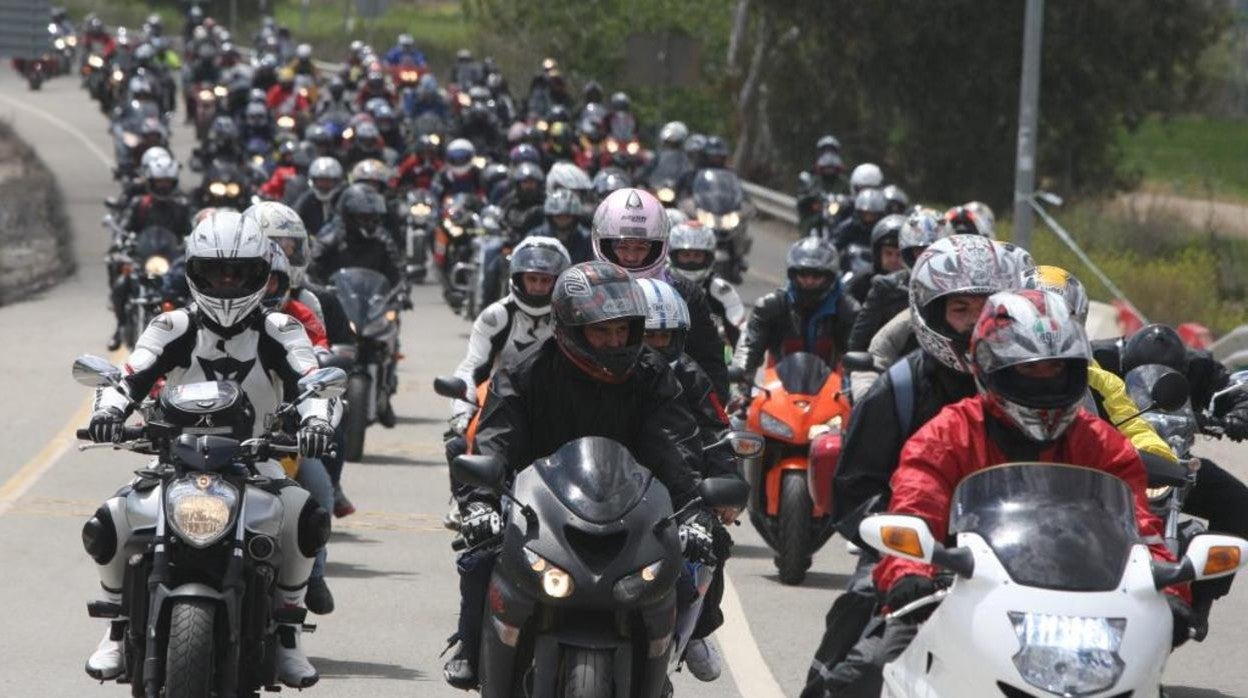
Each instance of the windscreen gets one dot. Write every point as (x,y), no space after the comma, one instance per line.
(1052,526)
(595,477)
(717,191)
(362,293)
(1177,428)
(802,373)
(155,240)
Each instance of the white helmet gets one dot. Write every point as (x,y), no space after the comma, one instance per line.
(631,214)
(675,133)
(228,260)
(865,176)
(324,168)
(666,311)
(303,51)
(675,217)
(151,155)
(283,226)
(565,175)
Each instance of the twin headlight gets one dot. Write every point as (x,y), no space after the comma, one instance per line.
(200,508)
(728,221)
(774,426)
(1068,655)
(557,583)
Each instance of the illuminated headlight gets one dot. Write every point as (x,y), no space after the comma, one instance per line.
(71,40)
(555,582)
(633,147)
(774,426)
(543,125)
(257,159)
(667,195)
(729,220)
(1068,655)
(59,43)
(286,121)
(463,99)
(612,146)
(421,210)
(348,134)
(205,95)
(435,139)
(480,162)
(220,91)
(833,208)
(633,586)
(95,62)
(118,75)
(454,230)
(156,266)
(200,508)
(233,189)
(706,218)
(1157,494)
(832,426)
(217,188)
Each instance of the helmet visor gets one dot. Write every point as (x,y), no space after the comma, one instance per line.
(295,250)
(228,278)
(540,260)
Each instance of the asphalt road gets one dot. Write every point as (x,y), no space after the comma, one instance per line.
(391,567)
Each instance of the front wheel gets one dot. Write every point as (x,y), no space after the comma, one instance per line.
(588,674)
(190,654)
(357,416)
(793,545)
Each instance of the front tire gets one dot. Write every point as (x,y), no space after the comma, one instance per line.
(190,656)
(357,416)
(795,517)
(588,674)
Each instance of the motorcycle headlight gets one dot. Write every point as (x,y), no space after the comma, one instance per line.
(59,43)
(118,76)
(71,40)
(435,139)
(232,189)
(1068,655)
(612,145)
(667,195)
(206,96)
(555,582)
(217,188)
(95,62)
(257,159)
(832,426)
(454,230)
(156,266)
(730,220)
(286,121)
(542,125)
(421,210)
(480,162)
(463,99)
(633,147)
(774,426)
(833,208)
(633,586)
(348,134)
(706,218)
(220,91)
(200,508)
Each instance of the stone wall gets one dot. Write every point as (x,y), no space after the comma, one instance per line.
(36,240)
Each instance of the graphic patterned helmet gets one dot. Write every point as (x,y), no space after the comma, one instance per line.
(536,254)
(963,221)
(692,236)
(283,226)
(279,278)
(812,255)
(371,171)
(1019,259)
(632,214)
(227,267)
(1027,327)
(1064,284)
(666,311)
(866,176)
(607,181)
(956,265)
(983,211)
(921,229)
(593,292)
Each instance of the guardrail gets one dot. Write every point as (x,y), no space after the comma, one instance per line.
(773,203)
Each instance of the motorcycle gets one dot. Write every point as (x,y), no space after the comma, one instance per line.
(799,409)
(719,204)
(482,279)
(1053,593)
(585,586)
(208,101)
(371,306)
(422,216)
(142,259)
(196,611)
(452,246)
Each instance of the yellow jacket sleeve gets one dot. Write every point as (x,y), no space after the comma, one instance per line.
(1118,405)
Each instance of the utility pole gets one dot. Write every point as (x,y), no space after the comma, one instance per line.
(1028,113)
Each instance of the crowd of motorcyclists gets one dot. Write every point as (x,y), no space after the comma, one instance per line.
(598,274)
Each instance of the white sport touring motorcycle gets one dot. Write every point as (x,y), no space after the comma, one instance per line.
(1053,592)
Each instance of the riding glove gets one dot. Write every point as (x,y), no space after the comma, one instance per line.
(316,438)
(1182,614)
(696,539)
(907,590)
(106,425)
(1236,423)
(481,522)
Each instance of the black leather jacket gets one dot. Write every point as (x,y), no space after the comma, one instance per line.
(889,294)
(778,326)
(335,249)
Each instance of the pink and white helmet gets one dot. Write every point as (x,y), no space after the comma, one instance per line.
(632,214)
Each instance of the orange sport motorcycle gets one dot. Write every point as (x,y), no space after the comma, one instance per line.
(799,409)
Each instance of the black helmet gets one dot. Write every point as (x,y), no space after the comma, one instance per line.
(716,149)
(528,180)
(591,92)
(362,209)
(812,255)
(1155,344)
(888,228)
(594,292)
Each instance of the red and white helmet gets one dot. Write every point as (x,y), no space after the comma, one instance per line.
(632,214)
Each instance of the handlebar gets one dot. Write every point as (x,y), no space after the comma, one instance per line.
(127,434)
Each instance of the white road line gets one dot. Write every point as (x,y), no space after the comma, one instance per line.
(64,125)
(745,661)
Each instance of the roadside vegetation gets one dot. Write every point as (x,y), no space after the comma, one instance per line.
(36,242)
(1196,156)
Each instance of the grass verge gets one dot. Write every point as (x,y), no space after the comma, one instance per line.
(1190,156)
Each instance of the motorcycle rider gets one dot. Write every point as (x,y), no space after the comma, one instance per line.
(827,177)
(631,230)
(691,254)
(404,52)
(97,40)
(224,335)
(367,144)
(812,314)
(284,97)
(375,87)
(885,255)
(1030,361)
(890,292)
(421,165)
(963,220)
(524,206)
(317,205)
(593,377)
(461,175)
(563,222)
(302,63)
(356,237)
(869,206)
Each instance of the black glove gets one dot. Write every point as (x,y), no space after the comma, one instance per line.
(106,425)
(1236,424)
(316,437)
(1182,614)
(696,537)
(907,590)
(481,521)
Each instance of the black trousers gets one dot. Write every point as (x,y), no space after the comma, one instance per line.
(1222,499)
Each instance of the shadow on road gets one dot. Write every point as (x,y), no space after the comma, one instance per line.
(396,459)
(819,580)
(347,570)
(419,420)
(746,551)
(342,536)
(346,669)
(1189,692)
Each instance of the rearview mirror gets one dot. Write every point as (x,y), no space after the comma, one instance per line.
(724,492)
(899,535)
(452,387)
(1212,555)
(1170,392)
(95,372)
(858,361)
(479,471)
(326,383)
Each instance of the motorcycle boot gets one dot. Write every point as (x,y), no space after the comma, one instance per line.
(107,662)
(459,671)
(702,658)
(293,668)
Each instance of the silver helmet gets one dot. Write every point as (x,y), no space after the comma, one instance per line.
(691,236)
(283,226)
(228,259)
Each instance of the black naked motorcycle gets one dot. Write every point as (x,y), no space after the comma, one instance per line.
(196,612)
(719,204)
(584,592)
(142,260)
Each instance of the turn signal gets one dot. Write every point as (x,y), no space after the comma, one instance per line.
(1222,558)
(903,540)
